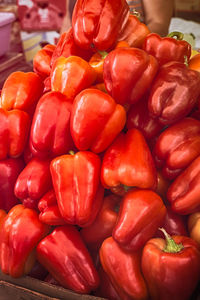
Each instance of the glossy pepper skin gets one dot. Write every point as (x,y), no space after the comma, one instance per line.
(2,216)
(20,233)
(134,33)
(128,161)
(141,213)
(66,47)
(42,60)
(77,186)
(194,226)
(140,69)
(138,116)
(21,91)
(166,49)
(123,270)
(33,182)
(49,212)
(71,75)
(67,259)
(183,193)
(96,120)
(9,171)
(103,225)
(174,92)
(171,275)
(14,131)
(50,130)
(97,24)
(177,146)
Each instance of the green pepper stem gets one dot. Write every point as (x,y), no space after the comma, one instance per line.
(171,245)
(71,152)
(103,54)
(176,34)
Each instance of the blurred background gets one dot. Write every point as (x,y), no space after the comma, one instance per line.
(26,25)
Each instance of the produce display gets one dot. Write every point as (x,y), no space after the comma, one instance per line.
(100,161)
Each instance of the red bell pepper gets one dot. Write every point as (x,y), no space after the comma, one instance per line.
(177,146)
(106,289)
(194,226)
(134,33)
(140,69)
(66,47)
(123,270)
(14,131)
(9,170)
(47,84)
(71,75)
(141,213)
(76,183)
(171,268)
(42,60)
(128,161)
(97,24)
(97,62)
(67,259)
(96,120)
(183,193)
(2,217)
(49,212)
(162,186)
(20,233)
(174,224)
(174,92)
(194,62)
(103,225)
(50,130)
(167,49)
(21,91)
(138,116)
(33,182)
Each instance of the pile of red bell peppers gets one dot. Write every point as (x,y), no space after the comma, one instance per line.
(100,161)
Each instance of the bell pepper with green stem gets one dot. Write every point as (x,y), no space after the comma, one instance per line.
(171,267)
(128,162)
(67,259)
(140,69)
(98,23)
(123,270)
(141,213)
(20,233)
(167,49)
(96,120)
(76,182)
(50,130)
